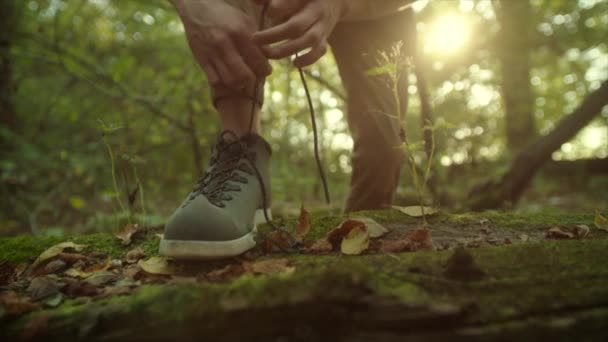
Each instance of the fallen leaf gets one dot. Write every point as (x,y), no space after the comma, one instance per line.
(321,245)
(88,271)
(54,300)
(303,224)
(336,236)
(421,239)
(416,210)
(524,237)
(44,287)
(600,221)
(276,241)
(134,255)
(131,271)
(227,272)
(102,278)
(558,233)
(374,228)
(581,231)
(55,266)
(11,304)
(155,265)
(270,266)
(355,242)
(79,288)
(55,250)
(126,233)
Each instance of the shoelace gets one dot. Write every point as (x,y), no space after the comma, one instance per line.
(216,182)
(294,243)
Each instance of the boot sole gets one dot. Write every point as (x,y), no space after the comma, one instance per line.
(195,249)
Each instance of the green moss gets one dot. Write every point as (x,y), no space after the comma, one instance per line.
(24,248)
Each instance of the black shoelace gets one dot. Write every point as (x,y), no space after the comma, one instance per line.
(294,243)
(221,178)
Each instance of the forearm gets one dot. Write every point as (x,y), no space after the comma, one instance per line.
(370,9)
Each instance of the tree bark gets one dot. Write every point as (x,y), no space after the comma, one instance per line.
(8,15)
(515,27)
(509,189)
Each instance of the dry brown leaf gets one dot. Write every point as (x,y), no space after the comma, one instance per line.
(44,287)
(374,228)
(156,265)
(336,236)
(134,255)
(421,239)
(56,250)
(276,241)
(226,273)
(79,288)
(303,224)
(416,210)
(126,233)
(13,305)
(558,233)
(321,245)
(355,242)
(581,231)
(269,266)
(600,221)
(87,271)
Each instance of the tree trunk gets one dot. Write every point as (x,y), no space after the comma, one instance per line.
(8,118)
(492,195)
(515,27)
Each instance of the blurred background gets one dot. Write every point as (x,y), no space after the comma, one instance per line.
(102,99)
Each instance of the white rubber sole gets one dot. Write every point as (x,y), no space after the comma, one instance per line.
(189,249)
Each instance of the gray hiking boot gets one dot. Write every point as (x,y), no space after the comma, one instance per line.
(218,217)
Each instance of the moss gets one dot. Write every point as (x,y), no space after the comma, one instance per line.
(24,248)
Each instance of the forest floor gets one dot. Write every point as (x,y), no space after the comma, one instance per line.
(482,276)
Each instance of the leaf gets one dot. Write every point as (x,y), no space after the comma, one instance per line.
(600,222)
(13,305)
(55,250)
(558,233)
(336,236)
(416,210)
(134,255)
(303,224)
(355,242)
(421,239)
(581,231)
(321,245)
(374,228)
(226,273)
(276,241)
(44,287)
(270,266)
(102,278)
(125,234)
(89,270)
(156,265)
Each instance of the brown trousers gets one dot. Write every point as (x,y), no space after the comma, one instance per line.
(371,109)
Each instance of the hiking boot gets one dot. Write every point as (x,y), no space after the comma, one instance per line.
(218,217)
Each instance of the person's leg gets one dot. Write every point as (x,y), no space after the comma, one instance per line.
(372,111)
(234,106)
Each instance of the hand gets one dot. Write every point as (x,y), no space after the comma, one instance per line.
(220,37)
(303,24)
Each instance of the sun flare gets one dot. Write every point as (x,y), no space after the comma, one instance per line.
(449,34)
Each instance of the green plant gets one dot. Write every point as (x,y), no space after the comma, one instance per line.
(392,65)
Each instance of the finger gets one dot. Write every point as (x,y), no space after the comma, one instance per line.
(280,10)
(254,57)
(312,56)
(292,28)
(291,47)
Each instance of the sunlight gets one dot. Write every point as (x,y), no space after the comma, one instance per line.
(449,34)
